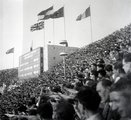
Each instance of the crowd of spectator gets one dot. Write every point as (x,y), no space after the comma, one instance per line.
(96,85)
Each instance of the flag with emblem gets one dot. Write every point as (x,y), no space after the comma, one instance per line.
(42,14)
(59,13)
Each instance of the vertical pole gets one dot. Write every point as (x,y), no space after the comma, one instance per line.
(31,48)
(32,44)
(53,28)
(13,59)
(53,32)
(64,67)
(44,37)
(91,25)
(64,22)
(44,46)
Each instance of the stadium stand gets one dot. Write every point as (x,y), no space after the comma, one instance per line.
(110,49)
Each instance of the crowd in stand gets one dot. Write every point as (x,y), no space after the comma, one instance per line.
(96,86)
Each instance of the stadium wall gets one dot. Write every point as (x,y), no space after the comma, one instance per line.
(54,54)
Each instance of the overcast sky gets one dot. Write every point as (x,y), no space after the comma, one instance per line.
(16,17)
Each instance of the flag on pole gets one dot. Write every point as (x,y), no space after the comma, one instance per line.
(59,13)
(86,14)
(10,51)
(37,26)
(41,15)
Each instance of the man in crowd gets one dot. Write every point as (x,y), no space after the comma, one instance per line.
(94,66)
(101,74)
(45,111)
(88,104)
(118,71)
(120,97)
(103,89)
(127,63)
(109,71)
(64,111)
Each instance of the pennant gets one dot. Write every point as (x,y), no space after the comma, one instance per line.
(84,15)
(37,26)
(10,51)
(42,14)
(59,13)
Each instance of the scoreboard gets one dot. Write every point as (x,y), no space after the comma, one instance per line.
(31,63)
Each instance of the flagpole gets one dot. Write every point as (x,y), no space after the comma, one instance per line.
(32,45)
(53,28)
(53,32)
(44,35)
(13,59)
(64,23)
(91,25)
(31,48)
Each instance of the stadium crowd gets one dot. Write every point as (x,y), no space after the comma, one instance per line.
(96,85)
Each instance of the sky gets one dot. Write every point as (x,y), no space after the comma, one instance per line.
(17,16)
(11,35)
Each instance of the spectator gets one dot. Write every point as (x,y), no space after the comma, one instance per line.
(44,99)
(79,81)
(100,66)
(32,103)
(84,65)
(127,63)
(88,103)
(93,75)
(4,117)
(100,61)
(109,71)
(118,71)
(103,89)
(64,111)
(94,66)
(120,97)
(101,74)
(45,111)
(86,74)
